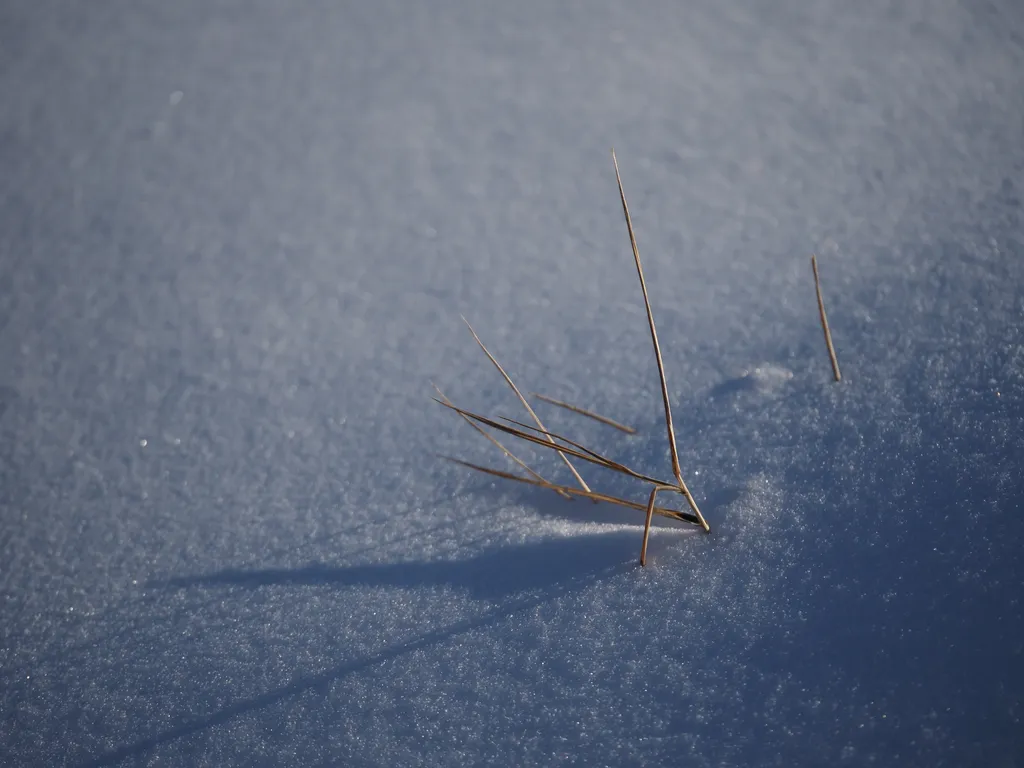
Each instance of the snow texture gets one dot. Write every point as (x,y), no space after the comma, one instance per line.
(235,242)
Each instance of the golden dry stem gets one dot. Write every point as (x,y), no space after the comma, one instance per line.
(824,322)
(565,447)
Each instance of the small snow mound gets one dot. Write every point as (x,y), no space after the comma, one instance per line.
(766,377)
(769,376)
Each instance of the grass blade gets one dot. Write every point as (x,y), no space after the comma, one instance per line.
(545,442)
(673,514)
(525,403)
(490,437)
(582,453)
(584,412)
(824,322)
(670,428)
(597,457)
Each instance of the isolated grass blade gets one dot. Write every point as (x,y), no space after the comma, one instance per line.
(495,441)
(673,514)
(526,404)
(670,428)
(824,322)
(584,412)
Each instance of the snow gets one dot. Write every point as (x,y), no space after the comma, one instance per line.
(235,242)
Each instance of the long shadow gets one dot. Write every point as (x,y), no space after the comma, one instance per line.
(70,625)
(496,573)
(310,682)
(523,577)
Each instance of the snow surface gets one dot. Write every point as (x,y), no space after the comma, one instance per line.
(235,242)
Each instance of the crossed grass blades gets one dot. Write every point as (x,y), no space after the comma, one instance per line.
(539,435)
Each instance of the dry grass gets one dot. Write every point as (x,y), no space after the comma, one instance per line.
(824,322)
(584,412)
(540,436)
(526,405)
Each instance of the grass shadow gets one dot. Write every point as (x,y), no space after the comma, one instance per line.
(495,573)
(518,578)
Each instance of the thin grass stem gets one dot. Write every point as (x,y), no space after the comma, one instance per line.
(495,441)
(670,428)
(673,514)
(600,459)
(824,322)
(647,525)
(526,404)
(584,412)
(580,453)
